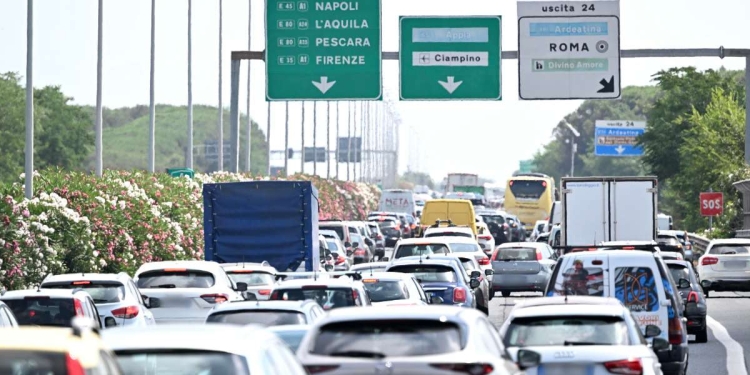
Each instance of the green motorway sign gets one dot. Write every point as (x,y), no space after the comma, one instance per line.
(450,58)
(323,50)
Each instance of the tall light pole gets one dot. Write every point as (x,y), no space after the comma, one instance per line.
(189,156)
(29,157)
(221,104)
(99,114)
(152,102)
(573,147)
(249,62)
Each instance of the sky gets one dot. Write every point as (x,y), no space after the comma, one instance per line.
(487,138)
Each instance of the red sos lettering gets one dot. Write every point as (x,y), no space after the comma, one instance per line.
(712,204)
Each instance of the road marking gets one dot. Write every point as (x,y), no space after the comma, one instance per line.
(735,353)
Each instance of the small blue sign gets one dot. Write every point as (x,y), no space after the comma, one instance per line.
(617,141)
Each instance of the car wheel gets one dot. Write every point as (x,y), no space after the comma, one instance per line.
(702,336)
(485,310)
(705,292)
(506,293)
(492,294)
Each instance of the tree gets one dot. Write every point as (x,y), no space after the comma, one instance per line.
(418,178)
(12,110)
(64,136)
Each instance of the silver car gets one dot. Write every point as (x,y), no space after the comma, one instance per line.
(522,267)
(259,277)
(200,349)
(115,296)
(399,340)
(266,313)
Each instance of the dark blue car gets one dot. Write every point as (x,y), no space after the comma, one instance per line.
(444,278)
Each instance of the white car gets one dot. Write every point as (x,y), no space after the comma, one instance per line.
(400,340)
(394,289)
(201,349)
(725,266)
(185,290)
(452,231)
(115,296)
(259,277)
(266,313)
(468,246)
(485,239)
(539,227)
(582,335)
(422,246)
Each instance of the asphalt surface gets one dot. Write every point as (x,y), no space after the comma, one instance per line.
(729,332)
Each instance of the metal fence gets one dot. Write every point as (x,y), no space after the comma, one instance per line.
(699,243)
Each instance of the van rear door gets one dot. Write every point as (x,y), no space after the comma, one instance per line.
(581,276)
(638,285)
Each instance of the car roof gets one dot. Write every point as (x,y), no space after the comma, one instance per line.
(263,305)
(730,241)
(211,337)
(86,276)
(678,262)
(388,276)
(674,232)
(585,309)
(332,282)
(510,245)
(53,339)
(457,239)
(569,300)
(612,254)
(56,293)
(629,243)
(229,267)
(423,241)
(366,266)
(198,265)
(433,312)
(425,260)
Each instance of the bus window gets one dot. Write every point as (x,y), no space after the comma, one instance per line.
(528,189)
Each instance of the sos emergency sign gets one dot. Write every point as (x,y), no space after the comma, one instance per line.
(712,204)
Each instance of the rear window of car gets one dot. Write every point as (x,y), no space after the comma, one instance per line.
(428,273)
(180,362)
(336,228)
(678,272)
(636,288)
(42,311)
(327,297)
(407,250)
(468,265)
(100,291)
(176,278)
(448,234)
(497,219)
(464,247)
(669,241)
(291,338)
(516,253)
(729,249)
(566,330)
(387,338)
(386,290)
(252,277)
(263,317)
(24,362)
(333,246)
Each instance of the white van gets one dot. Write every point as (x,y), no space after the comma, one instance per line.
(397,200)
(640,280)
(664,222)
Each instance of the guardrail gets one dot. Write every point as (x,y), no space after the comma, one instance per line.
(699,243)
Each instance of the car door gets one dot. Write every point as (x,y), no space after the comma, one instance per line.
(147,314)
(9,317)
(639,287)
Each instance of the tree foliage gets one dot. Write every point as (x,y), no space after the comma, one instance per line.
(554,158)
(63,134)
(411,179)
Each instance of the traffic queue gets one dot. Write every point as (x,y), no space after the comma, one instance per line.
(422,306)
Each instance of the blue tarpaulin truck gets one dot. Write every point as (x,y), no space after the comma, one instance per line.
(253,221)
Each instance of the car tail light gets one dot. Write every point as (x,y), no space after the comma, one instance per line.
(73,366)
(459,295)
(215,298)
(692,296)
(379,236)
(675,330)
(275,295)
(355,294)
(484,261)
(628,247)
(538,255)
(129,312)
(78,307)
(83,282)
(485,237)
(630,366)
(264,292)
(313,369)
(494,255)
(359,252)
(707,261)
(175,270)
(340,259)
(466,368)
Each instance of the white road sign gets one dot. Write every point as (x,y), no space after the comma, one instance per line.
(569,49)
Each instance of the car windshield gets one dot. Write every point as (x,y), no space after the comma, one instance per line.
(333,246)
(291,338)
(379,339)
(448,234)
(566,330)
(668,241)
(497,219)
(178,362)
(678,272)
(516,253)
(386,290)
(464,247)
(327,297)
(428,273)
(252,278)
(257,316)
(42,311)
(32,362)
(729,249)
(179,278)
(100,292)
(423,250)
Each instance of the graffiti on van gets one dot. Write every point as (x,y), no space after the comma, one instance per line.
(635,287)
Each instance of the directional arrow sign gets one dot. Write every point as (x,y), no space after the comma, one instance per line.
(450,58)
(569,49)
(618,137)
(323,50)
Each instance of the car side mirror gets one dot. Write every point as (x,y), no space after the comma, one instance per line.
(241,287)
(347,244)
(489,272)
(475,274)
(474,283)
(436,300)
(349,253)
(146,301)
(154,302)
(528,359)
(659,344)
(652,331)
(705,284)
(683,284)
(110,322)
(356,244)
(328,268)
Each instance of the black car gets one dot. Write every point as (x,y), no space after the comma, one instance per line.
(498,227)
(692,296)
(670,243)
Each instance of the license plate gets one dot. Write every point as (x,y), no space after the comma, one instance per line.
(735,264)
(565,369)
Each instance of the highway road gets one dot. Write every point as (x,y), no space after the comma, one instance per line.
(728,337)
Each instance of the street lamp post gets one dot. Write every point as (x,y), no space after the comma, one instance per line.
(573,147)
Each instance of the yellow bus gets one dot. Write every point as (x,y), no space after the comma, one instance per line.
(530,196)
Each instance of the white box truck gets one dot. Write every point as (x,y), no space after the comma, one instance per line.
(597,209)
